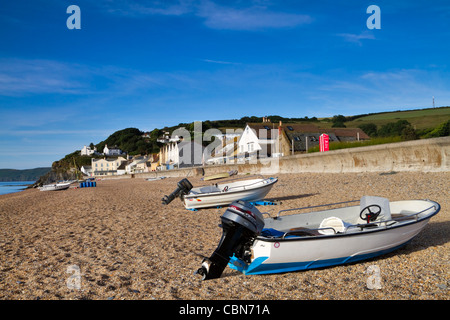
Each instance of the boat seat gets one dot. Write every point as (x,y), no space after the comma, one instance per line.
(333,225)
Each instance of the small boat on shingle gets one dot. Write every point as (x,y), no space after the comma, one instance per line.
(216,195)
(314,239)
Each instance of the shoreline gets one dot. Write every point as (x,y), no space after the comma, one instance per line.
(5,184)
(127,245)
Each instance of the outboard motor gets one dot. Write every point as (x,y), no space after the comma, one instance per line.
(241,223)
(184,186)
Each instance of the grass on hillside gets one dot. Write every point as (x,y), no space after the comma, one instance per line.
(419,119)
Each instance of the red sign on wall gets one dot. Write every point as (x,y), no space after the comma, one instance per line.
(324,141)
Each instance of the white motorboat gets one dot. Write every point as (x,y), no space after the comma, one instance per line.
(222,194)
(55,186)
(301,241)
(155,178)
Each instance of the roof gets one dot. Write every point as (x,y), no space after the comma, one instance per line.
(303,128)
(123,165)
(111,159)
(349,132)
(263,129)
(301,135)
(307,128)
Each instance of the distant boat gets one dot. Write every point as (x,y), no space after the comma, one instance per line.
(221,194)
(220,175)
(55,186)
(155,178)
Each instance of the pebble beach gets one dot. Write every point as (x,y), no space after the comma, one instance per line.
(122,243)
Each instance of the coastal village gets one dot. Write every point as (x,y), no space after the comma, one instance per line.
(255,141)
(225,159)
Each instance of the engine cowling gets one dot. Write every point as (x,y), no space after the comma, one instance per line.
(183,188)
(241,224)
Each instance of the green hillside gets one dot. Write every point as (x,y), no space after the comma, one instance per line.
(22,175)
(419,119)
(130,140)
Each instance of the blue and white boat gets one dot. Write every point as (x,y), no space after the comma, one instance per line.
(294,241)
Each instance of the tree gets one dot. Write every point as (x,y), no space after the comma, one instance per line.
(369,128)
(128,140)
(440,131)
(408,133)
(338,124)
(393,128)
(338,121)
(339,118)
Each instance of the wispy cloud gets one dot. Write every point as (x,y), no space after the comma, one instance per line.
(220,62)
(18,76)
(151,7)
(356,38)
(253,15)
(21,77)
(378,90)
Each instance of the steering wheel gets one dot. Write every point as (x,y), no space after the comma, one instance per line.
(370,213)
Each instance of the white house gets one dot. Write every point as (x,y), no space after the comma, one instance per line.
(225,151)
(87,170)
(87,151)
(138,165)
(122,168)
(114,151)
(179,152)
(190,154)
(259,140)
(169,153)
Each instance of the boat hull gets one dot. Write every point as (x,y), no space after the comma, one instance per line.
(223,198)
(55,187)
(277,255)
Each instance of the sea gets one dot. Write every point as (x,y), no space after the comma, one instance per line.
(14,186)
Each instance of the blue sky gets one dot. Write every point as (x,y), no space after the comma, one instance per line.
(150,64)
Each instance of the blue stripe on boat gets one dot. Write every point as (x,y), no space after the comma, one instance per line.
(258,266)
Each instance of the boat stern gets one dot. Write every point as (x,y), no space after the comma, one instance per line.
(241,224)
